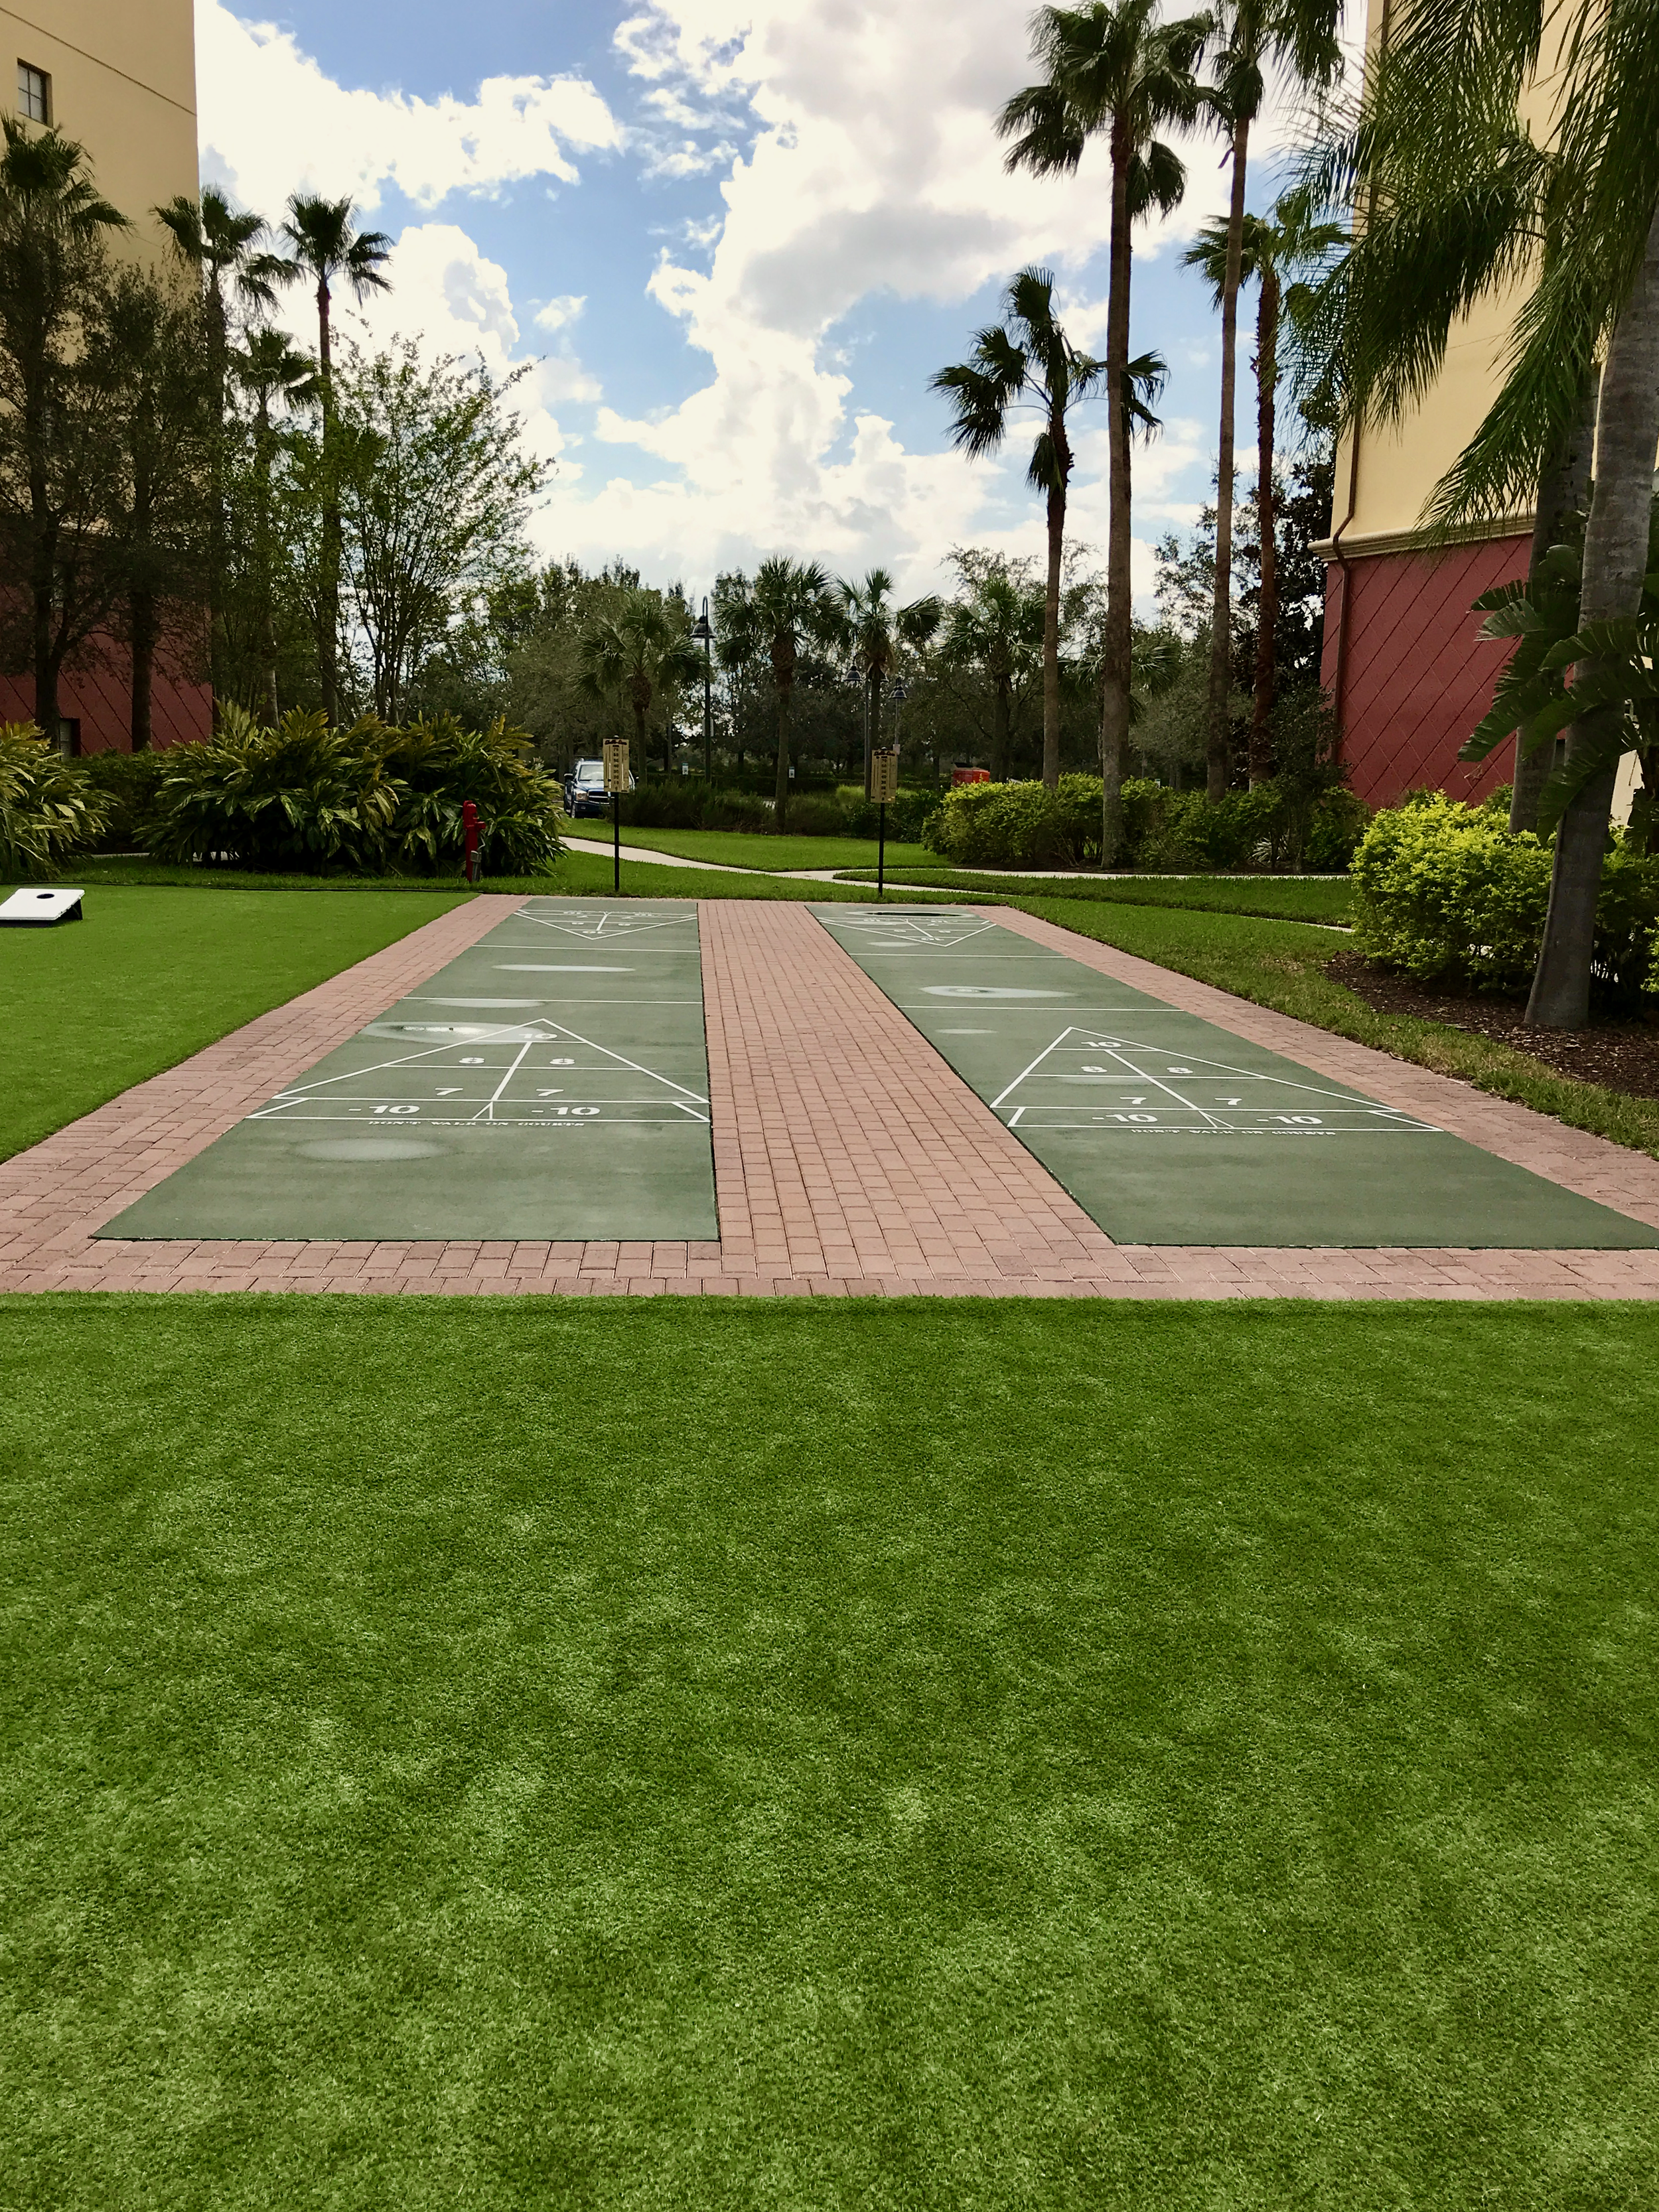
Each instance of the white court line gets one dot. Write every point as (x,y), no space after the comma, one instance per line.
(1037,1062)
(1285,1082)
(487,1113)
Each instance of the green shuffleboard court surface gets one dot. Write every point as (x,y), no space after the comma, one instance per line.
(1168,1130)
(552,1082)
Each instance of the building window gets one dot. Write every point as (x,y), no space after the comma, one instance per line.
(69,736)
(34,94)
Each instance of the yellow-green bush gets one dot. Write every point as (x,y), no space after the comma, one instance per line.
(48,809)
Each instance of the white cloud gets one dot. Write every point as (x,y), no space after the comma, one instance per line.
(272,123)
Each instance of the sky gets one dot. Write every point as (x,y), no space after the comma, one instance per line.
(732,240)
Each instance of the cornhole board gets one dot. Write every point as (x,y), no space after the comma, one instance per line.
(39,910)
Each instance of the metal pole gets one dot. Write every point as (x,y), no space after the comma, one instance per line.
(708,720)
(881,852)
(616,847)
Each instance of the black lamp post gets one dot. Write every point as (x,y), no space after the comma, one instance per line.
(705,638)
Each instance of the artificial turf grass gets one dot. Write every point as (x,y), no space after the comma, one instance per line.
(1282,965)
(943,1753)
(1283,899)
(151,976)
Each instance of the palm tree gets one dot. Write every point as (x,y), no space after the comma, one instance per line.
(1596,284)
(642,650)
(270,370)
(1273,248)
(54,226)
(1027,361)
(878,634)
(328,247)
(1116,72)
(791,601)
(736,647)
(1301,36)
(997,627)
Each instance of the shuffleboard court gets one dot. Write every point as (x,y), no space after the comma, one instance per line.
(551,1083)
(1168,1130)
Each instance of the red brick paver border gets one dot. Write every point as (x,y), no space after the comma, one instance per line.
(848,1157)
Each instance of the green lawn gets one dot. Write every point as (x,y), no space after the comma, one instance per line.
(736,849)
(953,1755)
(1282,965)
(1291,898)
(151,976)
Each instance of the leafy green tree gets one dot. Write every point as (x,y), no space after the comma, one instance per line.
(434,491)
(56,462)
(1027,363)
(327,247)
(792,602)
(878,633)
(271,375)
(1115,72)
(738,649)
(1273,251)
(995,627)
(1300,36)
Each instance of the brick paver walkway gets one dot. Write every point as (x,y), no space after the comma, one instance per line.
(848,1157)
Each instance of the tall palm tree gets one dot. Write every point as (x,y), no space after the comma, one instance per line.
(1118,73)
(1300,36)
(271,372)
(1027,361)
(791,601)
(878,634)
(737,648)
(996,627)
(1273,248)
(327,247)
(642,651)
(54,226)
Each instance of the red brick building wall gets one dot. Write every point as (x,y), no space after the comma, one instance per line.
(1412,679)
(100,701)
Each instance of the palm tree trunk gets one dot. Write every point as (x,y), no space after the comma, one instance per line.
(1219,747)
(1266,620)
(1562,489)
(781,788)
(145,628)
(1051,632)
(328,611)
(869,742)
(1000,729)
(1615,559)
(1120,590)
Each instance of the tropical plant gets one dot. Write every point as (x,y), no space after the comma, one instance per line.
(736,649)
(270,373)
(876,634)
(1300,38)
(792,600)
(56,462)
(1273,250)
(436,767)
(48,809)
(1027,362)
(1119,73)
(327,247)
(641,652)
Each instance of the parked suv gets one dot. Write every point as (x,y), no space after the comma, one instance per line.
(584,790)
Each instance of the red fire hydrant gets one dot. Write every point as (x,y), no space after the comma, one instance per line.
(470,827)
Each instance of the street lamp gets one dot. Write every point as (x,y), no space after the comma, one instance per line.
(705,637)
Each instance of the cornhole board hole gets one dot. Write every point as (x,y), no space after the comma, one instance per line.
(33,909)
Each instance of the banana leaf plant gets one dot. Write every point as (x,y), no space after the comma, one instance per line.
(1560,674)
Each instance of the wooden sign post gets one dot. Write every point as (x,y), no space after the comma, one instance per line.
(615,782)
(883,789)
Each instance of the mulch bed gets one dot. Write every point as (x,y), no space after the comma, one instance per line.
(1624,1055)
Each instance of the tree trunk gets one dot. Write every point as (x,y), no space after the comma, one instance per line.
(781,788)
(1051,626)
(1219,746)
(45,667)
(1615,559)
(999,728)
(1562,489)
(328,597)
(145,627)
(1267,379)
(869,741)
(1119,641)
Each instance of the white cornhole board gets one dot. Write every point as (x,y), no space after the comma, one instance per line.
(33,909)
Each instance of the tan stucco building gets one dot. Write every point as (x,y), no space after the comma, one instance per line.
(119,76)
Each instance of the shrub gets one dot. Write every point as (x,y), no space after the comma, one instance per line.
(1339,821)
(129,781)
(369,797)
(48,807)
(1445,890)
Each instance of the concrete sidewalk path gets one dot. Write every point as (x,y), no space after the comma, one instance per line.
(849,1159)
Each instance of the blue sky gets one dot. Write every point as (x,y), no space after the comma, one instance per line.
(733,237)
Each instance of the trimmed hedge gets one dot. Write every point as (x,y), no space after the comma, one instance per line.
(305,796)
(48,809)
(1446,890)
(1022,825)
(688,805)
